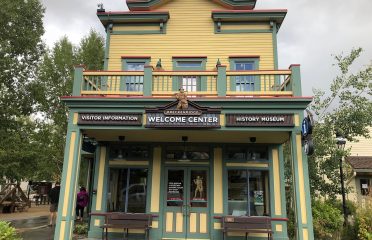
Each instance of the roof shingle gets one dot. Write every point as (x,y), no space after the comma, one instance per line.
(360,162)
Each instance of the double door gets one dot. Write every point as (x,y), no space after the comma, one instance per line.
(186,203)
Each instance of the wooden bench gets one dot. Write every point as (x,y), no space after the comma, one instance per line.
(127,221)
(247,225)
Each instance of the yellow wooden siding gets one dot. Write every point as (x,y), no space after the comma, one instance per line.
(190,32)
(363,147)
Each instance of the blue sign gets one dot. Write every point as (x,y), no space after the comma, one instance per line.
(307,128)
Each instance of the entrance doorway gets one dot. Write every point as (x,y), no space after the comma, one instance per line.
(186,203)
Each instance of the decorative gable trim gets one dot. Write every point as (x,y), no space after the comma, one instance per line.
(146,5)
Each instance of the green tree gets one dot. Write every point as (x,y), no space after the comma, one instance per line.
(21,28)
(55,79)
(345,109)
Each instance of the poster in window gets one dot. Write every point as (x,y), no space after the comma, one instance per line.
(258,198)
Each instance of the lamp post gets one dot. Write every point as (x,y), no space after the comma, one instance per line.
(341,142)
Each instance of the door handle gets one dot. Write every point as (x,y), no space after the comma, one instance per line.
(188,206)
(184,210)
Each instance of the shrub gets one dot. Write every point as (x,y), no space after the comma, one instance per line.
(8,232)
(327,220)
(363,223)
(81,228)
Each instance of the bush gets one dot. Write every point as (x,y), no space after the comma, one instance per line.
(327,220)
(7,232)
(363,223)
(81,228)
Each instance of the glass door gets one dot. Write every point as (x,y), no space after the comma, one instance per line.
(186,209)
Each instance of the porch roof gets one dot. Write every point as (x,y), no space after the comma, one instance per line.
(360,163)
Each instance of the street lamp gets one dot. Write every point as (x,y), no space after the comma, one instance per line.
(341,142)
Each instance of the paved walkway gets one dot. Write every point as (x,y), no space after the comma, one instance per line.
(32,212)
(32,224)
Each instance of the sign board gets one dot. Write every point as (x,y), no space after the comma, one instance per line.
(121,119)
(194,116)
(259,120)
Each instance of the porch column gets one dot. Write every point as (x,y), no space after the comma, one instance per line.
(99,196)
(278,207)
(302,200)
(69,181)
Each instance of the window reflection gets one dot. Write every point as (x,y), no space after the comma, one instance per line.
(248,193)
(127,190)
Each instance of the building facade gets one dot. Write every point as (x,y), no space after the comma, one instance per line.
(360,180)
(190,116)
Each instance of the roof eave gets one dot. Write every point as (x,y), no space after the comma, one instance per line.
(132,17)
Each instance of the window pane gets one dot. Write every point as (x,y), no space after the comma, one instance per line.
(198,188)
(175,188)
(134,83)
(241,66)
(244,83)
(237,192)
(124,196)
(189,83)
(139,66)
(248,193)
(136,191)
(364,187)
(191,64)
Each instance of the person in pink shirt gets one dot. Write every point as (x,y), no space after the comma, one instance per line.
(81,202)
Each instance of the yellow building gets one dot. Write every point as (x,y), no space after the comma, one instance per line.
(190,116)
(360,161)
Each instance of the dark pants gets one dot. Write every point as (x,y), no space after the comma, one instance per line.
(79,211)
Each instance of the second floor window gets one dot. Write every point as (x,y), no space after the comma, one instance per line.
(244,83)
(134,83)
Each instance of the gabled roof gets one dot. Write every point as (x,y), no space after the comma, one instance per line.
(146,5)
(360,162)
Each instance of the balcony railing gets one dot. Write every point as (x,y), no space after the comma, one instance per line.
(220,83)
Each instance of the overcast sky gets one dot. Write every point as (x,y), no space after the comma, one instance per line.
(313,31)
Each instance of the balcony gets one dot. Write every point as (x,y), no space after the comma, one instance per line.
(219,83)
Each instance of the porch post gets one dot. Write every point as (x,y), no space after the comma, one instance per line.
(221,81)
(302,200)
(69,181)
(147,81)
(99,194)
(277,183)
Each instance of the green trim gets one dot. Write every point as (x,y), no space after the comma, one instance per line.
(201,81)
(149,4)
(296,80)
(78,81)
(132,17)
(256,64)
(73,185)
(161,25)
(295,172)
(107,48)
(144,32)
(218,27)
(147,81)
(221,81)
(275,45)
